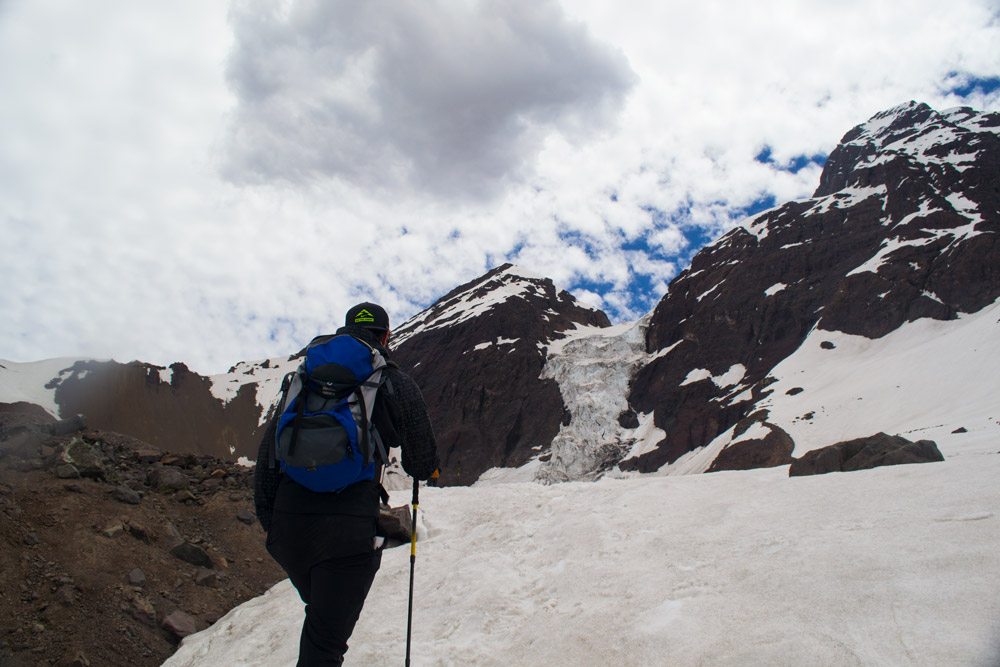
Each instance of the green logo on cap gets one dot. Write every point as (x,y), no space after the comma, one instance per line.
(363,316)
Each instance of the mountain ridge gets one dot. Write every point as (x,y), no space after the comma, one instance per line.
(902,227)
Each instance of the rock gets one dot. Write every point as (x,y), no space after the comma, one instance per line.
(628,419)
(211,484)
(137,577)
(168,478)
(143,610)
(865,453)
(67,426)
(86,458)
(31,539)
(114,530)
(126,495)
(73,658)
(25,443)
(148,455)
(961,429)
(395,523)
(218,473)
(67,471)
(185,496)
(206,577)
(139,531)
(66,595)
(172,534)
(73,488)
(774,449)
(180,624)
(193,554)
(246,517)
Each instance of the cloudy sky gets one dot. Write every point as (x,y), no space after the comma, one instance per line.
(209,182)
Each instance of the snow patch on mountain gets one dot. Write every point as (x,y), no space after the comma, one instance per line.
(35,381)
(965,206)
(847,198)
(497,342)
(880,258)
(267,375)
(926,380)
(722,381)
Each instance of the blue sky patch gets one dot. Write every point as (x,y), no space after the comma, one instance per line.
(964,85)
(795,165)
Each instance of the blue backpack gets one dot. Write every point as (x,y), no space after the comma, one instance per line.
(324,439)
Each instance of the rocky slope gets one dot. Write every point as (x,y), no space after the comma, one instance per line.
(112,549)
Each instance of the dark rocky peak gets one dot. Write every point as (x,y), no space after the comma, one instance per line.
(478,355)
(905,225)
(909,137)
(517,303)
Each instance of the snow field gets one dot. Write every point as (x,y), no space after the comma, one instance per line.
(25,381)
(922,381)
(889,566)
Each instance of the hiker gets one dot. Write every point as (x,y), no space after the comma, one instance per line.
(326,540)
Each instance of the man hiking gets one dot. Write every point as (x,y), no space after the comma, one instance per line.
(346,395)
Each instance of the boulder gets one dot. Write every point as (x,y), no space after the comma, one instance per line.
(137,577)
(113,530)
(206,577)
(774,449)
(86,458)
(180,624)
(864,453)
(22,443)
(168,478)
(191,553)
(67,471)
(123,494)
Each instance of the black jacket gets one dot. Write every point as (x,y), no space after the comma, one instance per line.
(399,414)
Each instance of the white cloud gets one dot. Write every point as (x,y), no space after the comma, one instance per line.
(179,184)
(450,98)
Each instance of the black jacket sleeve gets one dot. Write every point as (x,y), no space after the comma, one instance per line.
(413,431)
(266,477)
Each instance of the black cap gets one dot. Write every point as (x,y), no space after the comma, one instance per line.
(368,315)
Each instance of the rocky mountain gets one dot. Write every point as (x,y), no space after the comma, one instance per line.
(172,408)
(902,229)
(478,355)
(903,226)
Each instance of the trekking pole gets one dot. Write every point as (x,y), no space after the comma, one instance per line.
(413,559)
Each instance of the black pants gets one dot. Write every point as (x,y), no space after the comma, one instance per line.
(332,563)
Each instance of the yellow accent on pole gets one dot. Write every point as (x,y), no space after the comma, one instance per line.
(413,532)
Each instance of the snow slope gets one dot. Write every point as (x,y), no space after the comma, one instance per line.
(889,566)
(26,381)
(926,380)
